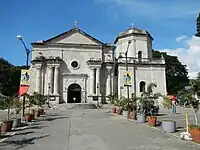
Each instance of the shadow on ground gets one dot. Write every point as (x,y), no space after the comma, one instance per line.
(21,143)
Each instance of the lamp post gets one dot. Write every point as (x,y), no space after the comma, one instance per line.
(126,55)
(27,59)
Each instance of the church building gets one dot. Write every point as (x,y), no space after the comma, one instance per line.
(74,67)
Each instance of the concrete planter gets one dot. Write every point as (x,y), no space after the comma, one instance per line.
(169,126)
(125,114)
(17,123)
(141,118)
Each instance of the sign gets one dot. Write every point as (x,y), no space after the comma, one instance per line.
(25,78)
(127,79)
(24,82)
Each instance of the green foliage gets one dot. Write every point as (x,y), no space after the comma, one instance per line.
(112,98)
(9,77)
(194,126)
(176,72)
(167,103)
(148,99)
(8,102)
(124,103)
(37,99)
(198,26)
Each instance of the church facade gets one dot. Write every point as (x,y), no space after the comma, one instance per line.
(74,67)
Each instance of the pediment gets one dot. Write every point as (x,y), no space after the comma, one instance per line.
(75,36)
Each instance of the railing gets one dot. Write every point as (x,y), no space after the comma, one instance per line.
(142,60)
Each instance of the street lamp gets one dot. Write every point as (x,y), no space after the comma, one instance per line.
(126,54)
(27,50)
(27,58)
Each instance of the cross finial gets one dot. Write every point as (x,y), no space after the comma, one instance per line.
(132,24)
(75,23)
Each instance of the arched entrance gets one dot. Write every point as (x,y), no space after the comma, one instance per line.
(74,93)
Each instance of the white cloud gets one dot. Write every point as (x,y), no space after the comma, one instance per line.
(188,55)
(180,38)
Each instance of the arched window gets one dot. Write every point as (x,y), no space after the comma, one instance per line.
(142,86)
(140,54)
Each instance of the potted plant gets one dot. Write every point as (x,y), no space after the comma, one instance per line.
(118,104)
(111,99)
(18,106)
(195,105)
(39,100)
(195,133)
(29,103)
(125,107)
(6,102)
(133,106)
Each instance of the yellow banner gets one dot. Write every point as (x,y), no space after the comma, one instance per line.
(25,77)
(127,79)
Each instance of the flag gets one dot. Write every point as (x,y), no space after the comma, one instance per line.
(127,79)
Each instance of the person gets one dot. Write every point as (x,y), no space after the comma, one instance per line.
(173,106)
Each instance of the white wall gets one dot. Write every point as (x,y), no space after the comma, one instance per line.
(148,74)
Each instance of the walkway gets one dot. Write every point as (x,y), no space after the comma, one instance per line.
(91,130)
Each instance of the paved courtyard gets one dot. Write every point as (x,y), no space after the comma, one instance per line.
(94,129)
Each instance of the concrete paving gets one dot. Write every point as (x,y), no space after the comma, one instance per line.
(179,117)
(94,129)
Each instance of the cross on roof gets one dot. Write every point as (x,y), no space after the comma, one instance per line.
(132,24)
(75,23)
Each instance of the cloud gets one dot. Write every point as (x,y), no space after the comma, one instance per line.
(154,9)
(189,54)
(180,38)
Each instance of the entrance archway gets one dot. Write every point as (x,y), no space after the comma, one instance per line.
(74,93)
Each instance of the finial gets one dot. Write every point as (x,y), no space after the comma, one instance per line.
(132,24)
(75,23)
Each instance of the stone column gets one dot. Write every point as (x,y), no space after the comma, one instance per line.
(98,81)
(92,81)
(38,79)
(50,79)
(108,82)
(56,81)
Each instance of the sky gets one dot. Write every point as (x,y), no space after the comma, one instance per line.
(171,23)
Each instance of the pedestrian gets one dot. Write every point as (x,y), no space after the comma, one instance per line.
(173,106)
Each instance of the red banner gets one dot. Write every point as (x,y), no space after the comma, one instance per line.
(23,89)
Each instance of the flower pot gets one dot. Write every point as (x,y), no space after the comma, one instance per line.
(152,121)
(169,126)
(6,125)
(37,113)
(17,122)
(28,117)
(141,118)
(125,114)
(132,115)
(113,110)
(118,111)
(32,116)
(195,133)
(41,111)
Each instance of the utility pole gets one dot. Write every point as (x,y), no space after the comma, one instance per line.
(27,60)
(126,54)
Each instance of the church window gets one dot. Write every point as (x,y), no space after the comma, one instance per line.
(142,86)
(74,64)
(140,54)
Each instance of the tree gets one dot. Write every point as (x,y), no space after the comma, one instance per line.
(176,72)
(9,77)
(198,26)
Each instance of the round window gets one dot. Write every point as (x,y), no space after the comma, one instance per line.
(74,64)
